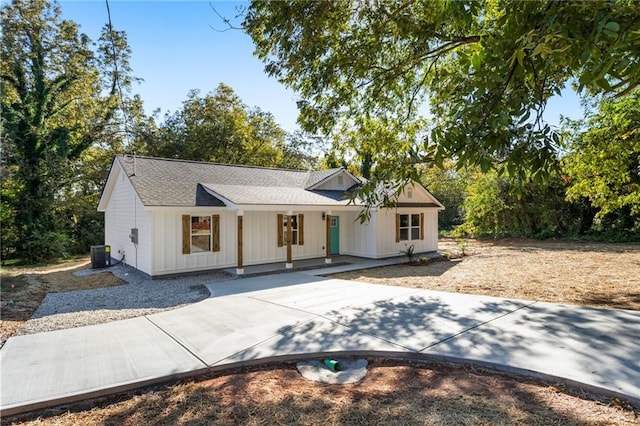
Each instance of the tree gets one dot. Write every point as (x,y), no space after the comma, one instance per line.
(58,99)
(499,206)
(448,184)
(219,127)
(484,71)
(603,164)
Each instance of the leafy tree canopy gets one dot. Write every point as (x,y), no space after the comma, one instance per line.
(604,160)
(59,98)
(480,72)
(219,127)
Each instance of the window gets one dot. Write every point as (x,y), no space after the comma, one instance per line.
(294,229)
(297,230)
(409,227)
(200,234)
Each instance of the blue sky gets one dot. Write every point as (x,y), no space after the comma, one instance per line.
(176,50)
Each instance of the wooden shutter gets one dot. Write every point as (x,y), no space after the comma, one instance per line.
(280,230)
(300,229)
(186,234)
(215,232)
(397,228)
(422,226)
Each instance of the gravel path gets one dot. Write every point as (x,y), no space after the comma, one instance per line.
(138,297)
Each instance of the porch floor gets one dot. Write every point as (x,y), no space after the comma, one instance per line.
(339,263)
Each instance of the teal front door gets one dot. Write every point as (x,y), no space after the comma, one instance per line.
(335,235)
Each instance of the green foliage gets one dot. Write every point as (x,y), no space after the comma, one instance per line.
(44,245)
(409,251)
(604,160)
(462,246)
(218,127)
(365,70)
(59,98)
(499,206)
(448,185)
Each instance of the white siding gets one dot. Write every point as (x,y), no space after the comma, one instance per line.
(260,241)
(340,182)
(358,239)
(167,244)
(261,238)
(386,243)
(124,212)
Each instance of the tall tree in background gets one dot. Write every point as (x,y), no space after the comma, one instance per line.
(487,70)
(218,127)
(603,164)
(58,99)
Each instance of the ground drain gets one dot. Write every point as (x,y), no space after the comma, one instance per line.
(336,371)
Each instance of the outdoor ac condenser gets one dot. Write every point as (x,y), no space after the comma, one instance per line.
(100,256)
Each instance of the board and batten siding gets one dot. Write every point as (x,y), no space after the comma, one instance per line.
(358,239)
(124,212)
(261,238)
(386,225)
(167,238)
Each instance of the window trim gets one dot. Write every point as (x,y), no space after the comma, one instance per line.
(298,230)
(409,228)
(209,234)
(187,234)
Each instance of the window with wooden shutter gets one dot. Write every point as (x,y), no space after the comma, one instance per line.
(279,224)
(200,234)
(297,235)
(397,228)
(422,226)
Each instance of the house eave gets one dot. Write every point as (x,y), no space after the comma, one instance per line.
(258,207)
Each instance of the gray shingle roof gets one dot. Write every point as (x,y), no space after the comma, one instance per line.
(318,176)
(163,182)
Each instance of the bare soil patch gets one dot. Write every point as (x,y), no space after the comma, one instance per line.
(391,393)
(575,273)
(24,288)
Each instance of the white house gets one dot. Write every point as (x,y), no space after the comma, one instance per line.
(174,216)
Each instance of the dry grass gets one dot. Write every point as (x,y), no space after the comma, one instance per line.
(390,394)
(24,288)
(592,274)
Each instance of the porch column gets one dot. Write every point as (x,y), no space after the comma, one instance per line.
(240,267)
(327,257)
(289,263)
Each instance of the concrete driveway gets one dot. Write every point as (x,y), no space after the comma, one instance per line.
(296,315)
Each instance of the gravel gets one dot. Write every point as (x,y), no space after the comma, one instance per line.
(140,296)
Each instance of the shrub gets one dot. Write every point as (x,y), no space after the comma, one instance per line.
(45,246)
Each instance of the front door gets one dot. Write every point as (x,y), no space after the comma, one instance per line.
(335,235)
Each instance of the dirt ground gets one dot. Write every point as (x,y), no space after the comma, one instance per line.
(390,394)
(574,273)
(24,288)
(603,275)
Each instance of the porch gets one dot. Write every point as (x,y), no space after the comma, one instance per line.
(340,263)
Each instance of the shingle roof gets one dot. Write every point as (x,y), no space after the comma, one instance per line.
(318,176)
(163,182)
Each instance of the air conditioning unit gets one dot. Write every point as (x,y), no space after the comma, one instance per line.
(100,256)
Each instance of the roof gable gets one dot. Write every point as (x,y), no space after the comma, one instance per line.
(178,183)
(332,180)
